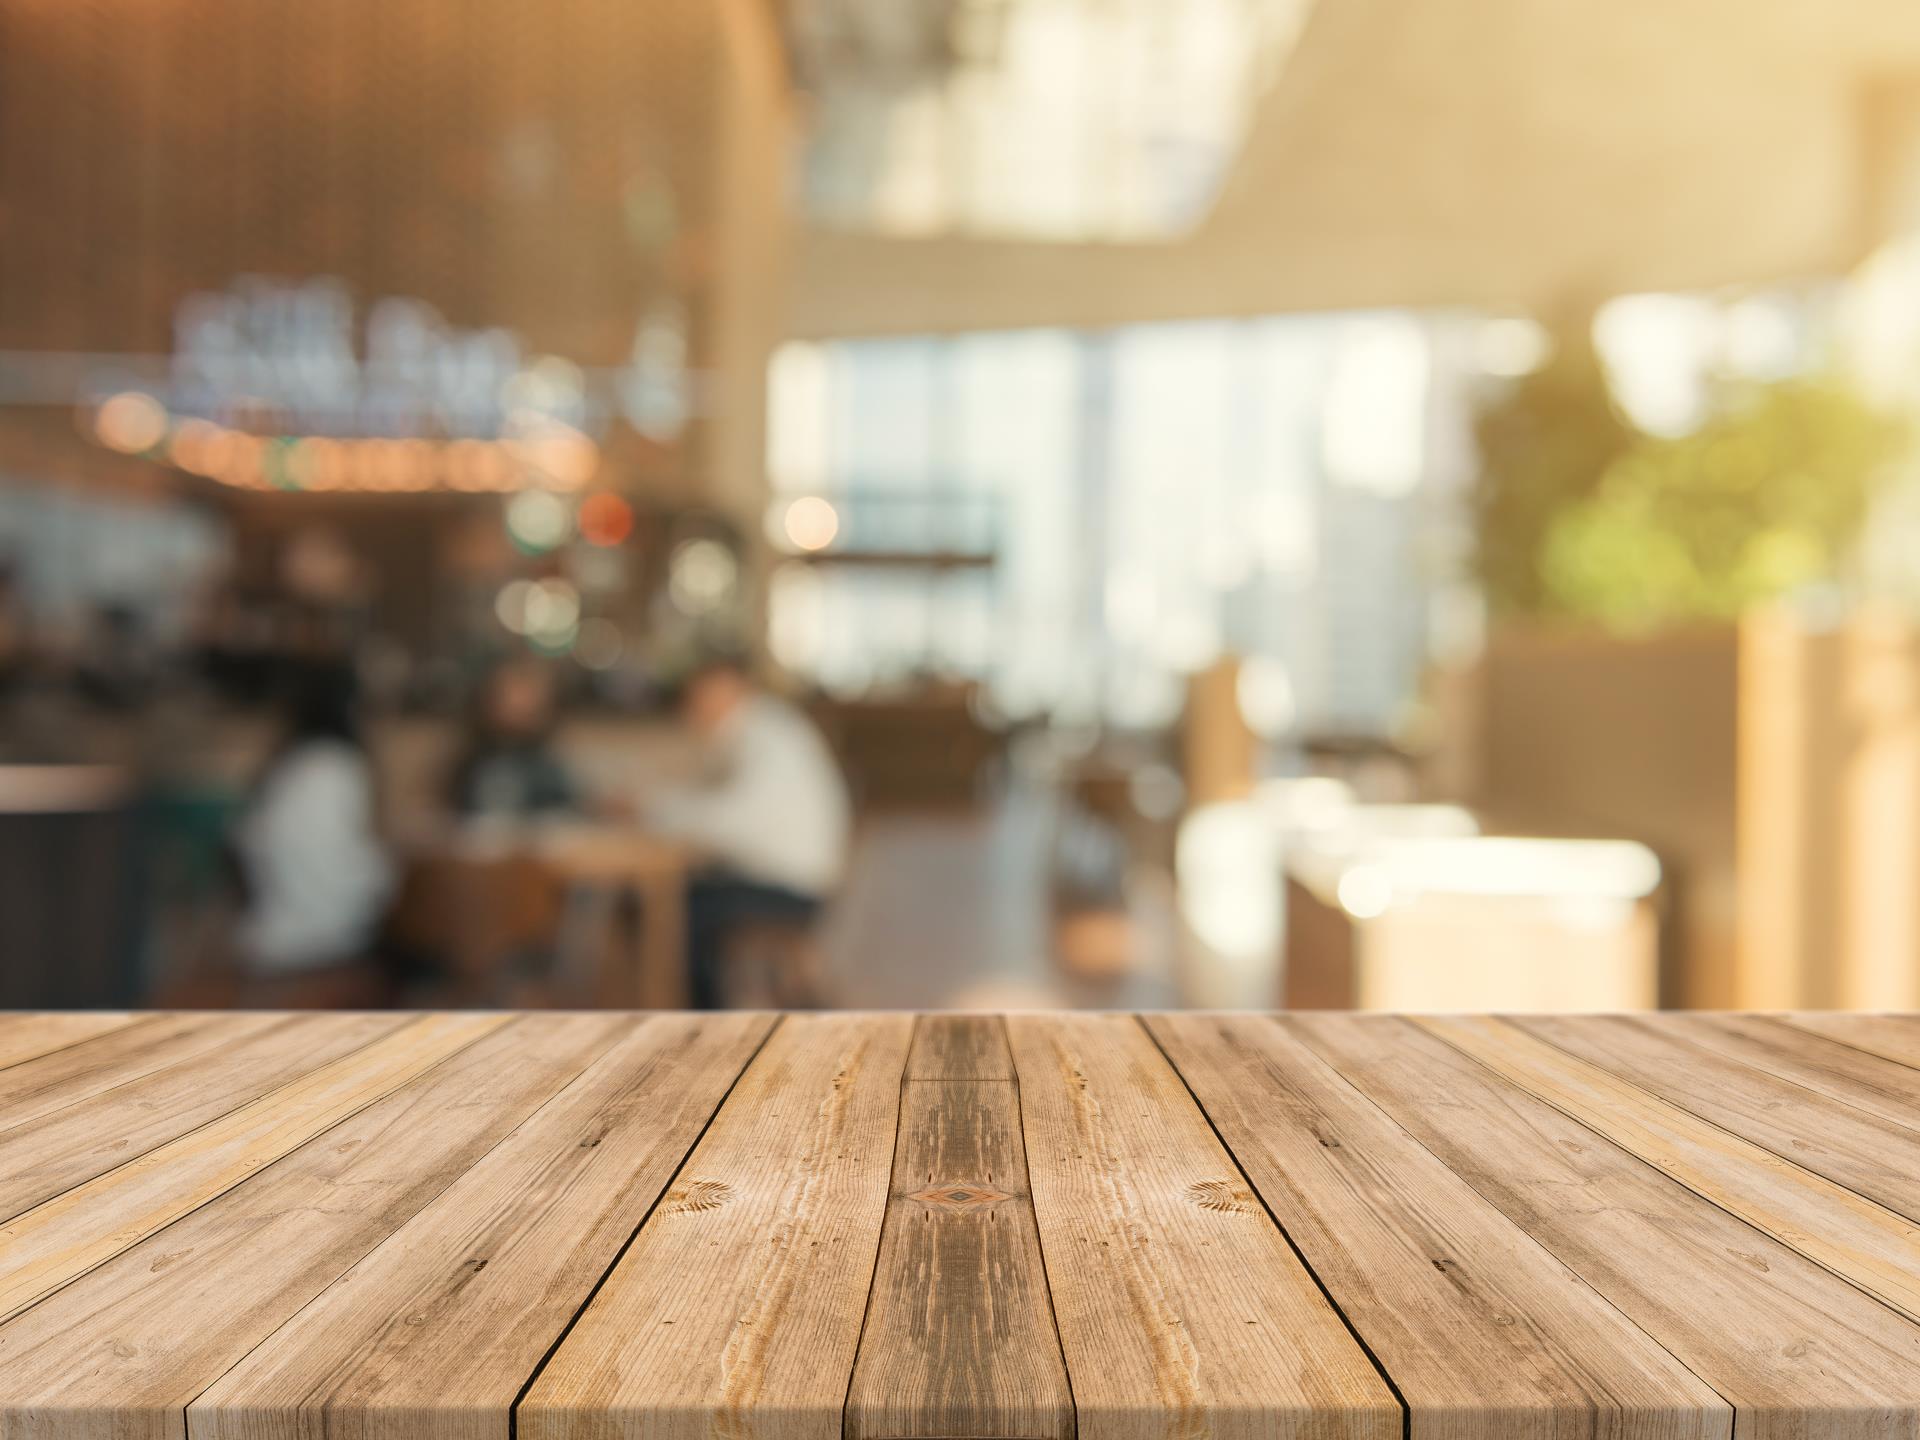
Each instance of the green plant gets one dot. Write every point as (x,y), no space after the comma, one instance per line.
(1768,495)
(1544,444)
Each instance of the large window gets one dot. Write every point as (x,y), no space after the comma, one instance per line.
(1110,511)
(1079,520)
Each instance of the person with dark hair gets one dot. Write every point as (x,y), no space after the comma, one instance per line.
(314,874)
(509,769)
(774,819)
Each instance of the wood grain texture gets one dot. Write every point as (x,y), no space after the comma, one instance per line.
(121,1055)
(1868,1244)
(45,1156)
(959,1337)
(26,1037)
(737,1310)
(63,1238)
(1893,1037)
(1484,1331)
(467,1297)
(456,1227)
(1865,1153)
(119,1353)
(1181,1309)
(1771,1331)
(959,1047)
(1884,1089)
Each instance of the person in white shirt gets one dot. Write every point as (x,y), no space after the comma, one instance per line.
(773,819)
(315,874)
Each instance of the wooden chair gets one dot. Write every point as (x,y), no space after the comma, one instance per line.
(774,964)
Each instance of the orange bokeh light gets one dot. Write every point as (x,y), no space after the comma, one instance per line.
(604,519)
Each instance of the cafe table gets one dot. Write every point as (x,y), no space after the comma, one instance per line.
(958,1227)
(466,897)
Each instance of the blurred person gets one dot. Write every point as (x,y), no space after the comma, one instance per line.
(773,820)
(509,769)
(315,878)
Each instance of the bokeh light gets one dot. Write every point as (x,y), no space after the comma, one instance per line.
(510,605)
(131,422)
(552,613)
(1264,692)
(701,576)
(563,456)
(604,519)
(811,523)
(538,520)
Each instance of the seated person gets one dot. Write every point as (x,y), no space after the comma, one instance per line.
(774,819)
(509,770)
(314,875)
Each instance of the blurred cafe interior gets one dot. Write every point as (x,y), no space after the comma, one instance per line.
(960,503)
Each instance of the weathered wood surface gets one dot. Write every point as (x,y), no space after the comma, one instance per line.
(1875,1248)
(1865,1153)
(1677,1265)
(1896,1037)
(467,1296)
(738,1308)
(73,1073)
(24,1037)
(1038,1227)
(63,1237)
(1181,1307)
(44,1156)
(959,1336)
(150,1342)
(1463,1308)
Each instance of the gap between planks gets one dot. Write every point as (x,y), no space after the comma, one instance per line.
(673,1180)
(959,1335)
(25,1037)
(1862,1242)
(58,1240)
(1811,1343)
(1393,1386)
(913,1073)
(1458,1305)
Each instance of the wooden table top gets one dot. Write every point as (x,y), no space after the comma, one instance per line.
(883,1227)
(591,848)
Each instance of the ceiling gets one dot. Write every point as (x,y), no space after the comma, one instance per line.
(1528,154)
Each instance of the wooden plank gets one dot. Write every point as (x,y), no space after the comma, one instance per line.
(1883,1088)
(66,1077)
(1849,1234)
(959,1336)
(959,1047)
(1893,1037)
(737,1310)
(1777,1335)
(27,1037)
(1182,1311)
(63,1238)
(1816,1132)
(467,1297)
(44,1157)
(1467,1313)
(119,1353)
